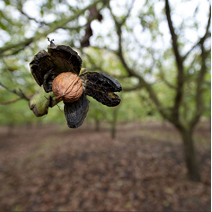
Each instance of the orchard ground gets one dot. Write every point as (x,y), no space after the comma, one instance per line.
(54,168)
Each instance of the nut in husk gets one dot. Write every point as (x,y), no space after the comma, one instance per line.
(67,86)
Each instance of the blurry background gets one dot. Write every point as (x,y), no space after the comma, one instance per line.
(150,153)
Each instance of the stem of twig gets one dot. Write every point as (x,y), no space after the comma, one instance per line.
(18,93)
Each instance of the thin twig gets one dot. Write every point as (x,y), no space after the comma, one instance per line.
(30,18)
(18,93)
(52,27)
(11,101)
(133,72)
(203,38)
(180,67)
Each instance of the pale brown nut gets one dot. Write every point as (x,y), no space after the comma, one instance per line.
(67,87)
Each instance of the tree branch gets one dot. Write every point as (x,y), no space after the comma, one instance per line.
(131,72)
(179,63)
(11,101)
(165,81)
(30,18)
(203,38)
(128,13)
(20,8)
(199,90)
(201,74)
(173,35)
(54,26)
(137,87)
(158,64)
(18,93)
(98,68)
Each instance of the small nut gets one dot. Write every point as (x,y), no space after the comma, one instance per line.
(67,86)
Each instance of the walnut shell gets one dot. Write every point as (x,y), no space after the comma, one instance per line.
(67,86)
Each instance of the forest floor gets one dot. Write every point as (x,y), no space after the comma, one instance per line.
(52,168)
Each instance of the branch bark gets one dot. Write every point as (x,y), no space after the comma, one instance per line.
(54,26)
(203,38)
(199,90)
(142,82)
(18,93)
(202,72)
(11,101)
(179,63)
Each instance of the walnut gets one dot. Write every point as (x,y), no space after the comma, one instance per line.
(67,86)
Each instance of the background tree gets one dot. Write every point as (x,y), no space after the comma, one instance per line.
(186,103)
(155,46)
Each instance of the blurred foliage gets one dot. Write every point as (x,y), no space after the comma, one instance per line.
(26,24)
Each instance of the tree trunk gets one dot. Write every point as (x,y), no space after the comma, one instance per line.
(190,155)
